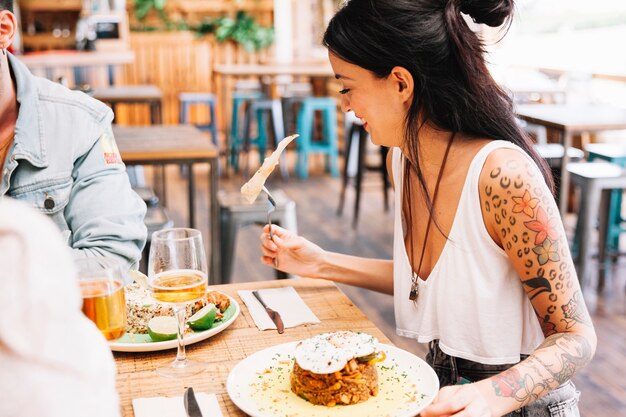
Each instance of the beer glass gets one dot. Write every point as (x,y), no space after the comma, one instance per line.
(177,275)
(102,287)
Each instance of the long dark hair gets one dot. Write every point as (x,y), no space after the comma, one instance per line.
(453,88)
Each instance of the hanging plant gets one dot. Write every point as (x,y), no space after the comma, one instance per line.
(243,30)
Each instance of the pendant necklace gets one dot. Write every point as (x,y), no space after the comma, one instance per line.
(414,293)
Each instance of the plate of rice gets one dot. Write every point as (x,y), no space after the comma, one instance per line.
(140,308)
(332,374)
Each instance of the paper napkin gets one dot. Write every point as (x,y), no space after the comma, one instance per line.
(285,301)
(174,406)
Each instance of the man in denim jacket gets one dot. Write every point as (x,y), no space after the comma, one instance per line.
(58,154)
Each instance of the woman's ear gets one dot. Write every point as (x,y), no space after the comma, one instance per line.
(403,80)
(8,26)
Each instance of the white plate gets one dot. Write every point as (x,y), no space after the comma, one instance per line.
(259,385)
(142,342)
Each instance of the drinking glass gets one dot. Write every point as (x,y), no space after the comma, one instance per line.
(177,275)
(102,287)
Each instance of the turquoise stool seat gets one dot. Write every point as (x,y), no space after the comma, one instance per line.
(615,154)
(241,99)
(257,110)
(328,142)
(207,99)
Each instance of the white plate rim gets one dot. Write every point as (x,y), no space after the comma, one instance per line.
(190,338)
(231,381)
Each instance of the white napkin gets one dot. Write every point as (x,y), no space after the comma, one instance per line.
(285,301)
(174,406)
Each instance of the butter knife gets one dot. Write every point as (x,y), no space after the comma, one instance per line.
(191,404)
(274,315)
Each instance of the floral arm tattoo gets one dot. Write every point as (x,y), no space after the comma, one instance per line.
(524,215)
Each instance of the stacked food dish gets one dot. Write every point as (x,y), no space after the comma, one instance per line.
(336,368)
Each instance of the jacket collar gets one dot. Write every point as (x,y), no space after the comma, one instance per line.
(29,135)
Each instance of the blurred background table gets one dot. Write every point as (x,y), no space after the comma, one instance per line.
(182,145)
(136,377)
(570,120)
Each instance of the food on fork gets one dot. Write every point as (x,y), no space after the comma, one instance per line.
(253,187)
(336,368)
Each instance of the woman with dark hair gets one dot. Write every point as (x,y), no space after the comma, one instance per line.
(481,268)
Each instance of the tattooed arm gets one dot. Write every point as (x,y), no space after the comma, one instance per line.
(522,217)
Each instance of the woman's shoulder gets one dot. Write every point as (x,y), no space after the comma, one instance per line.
(509,164)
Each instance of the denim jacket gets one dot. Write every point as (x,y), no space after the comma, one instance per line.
(64,162)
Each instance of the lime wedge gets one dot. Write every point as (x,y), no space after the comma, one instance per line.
(204,318)
(162,328)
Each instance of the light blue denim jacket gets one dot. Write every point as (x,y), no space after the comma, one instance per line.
(64,162)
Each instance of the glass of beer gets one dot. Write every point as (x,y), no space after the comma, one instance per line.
(177,275)
(102,288)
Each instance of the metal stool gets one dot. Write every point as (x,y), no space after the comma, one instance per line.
(328,142)
(617,155)
(241,102)
(156,219)
(356,128)
(206,99)
(235,213)
(593,178)
(259,109)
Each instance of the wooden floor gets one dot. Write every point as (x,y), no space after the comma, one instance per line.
(602,383)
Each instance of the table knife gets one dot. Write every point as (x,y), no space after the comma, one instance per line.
(274,315)
(191,404)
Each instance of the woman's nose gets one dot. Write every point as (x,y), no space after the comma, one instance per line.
(345,104)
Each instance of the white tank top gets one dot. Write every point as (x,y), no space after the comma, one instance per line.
(473,300)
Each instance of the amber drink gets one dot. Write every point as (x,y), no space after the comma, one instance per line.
(102,288)
(105,305)
(178,286)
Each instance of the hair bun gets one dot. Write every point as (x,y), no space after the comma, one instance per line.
(490,12)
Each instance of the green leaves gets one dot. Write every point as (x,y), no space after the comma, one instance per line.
(243,29)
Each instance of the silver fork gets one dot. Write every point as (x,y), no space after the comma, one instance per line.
(271,206)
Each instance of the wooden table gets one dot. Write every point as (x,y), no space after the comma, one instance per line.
(176,144)
(133,94)
(570,120)
(48,61)
(136,377)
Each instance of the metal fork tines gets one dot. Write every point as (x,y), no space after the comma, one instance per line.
(271,206)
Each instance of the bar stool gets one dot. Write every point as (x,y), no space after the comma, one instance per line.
(236,213)
(258,110)
(593,178)
(617,155)
(355,127)
(241,102)
(205,99)
(292,96)
(328,142)
(156,219)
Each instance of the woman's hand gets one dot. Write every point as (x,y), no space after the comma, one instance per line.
(295,254)
(459,401)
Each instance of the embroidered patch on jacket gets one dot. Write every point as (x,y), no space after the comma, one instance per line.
(109,148)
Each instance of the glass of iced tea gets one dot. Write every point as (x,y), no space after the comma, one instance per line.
(102,288)
(177,275)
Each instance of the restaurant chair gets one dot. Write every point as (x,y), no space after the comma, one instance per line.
(616,154)
(354,127)
(327,145)
(241,102)
(593,178)
(236,213)
(258,110)
(186,100)
(292,96)
(156,218)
